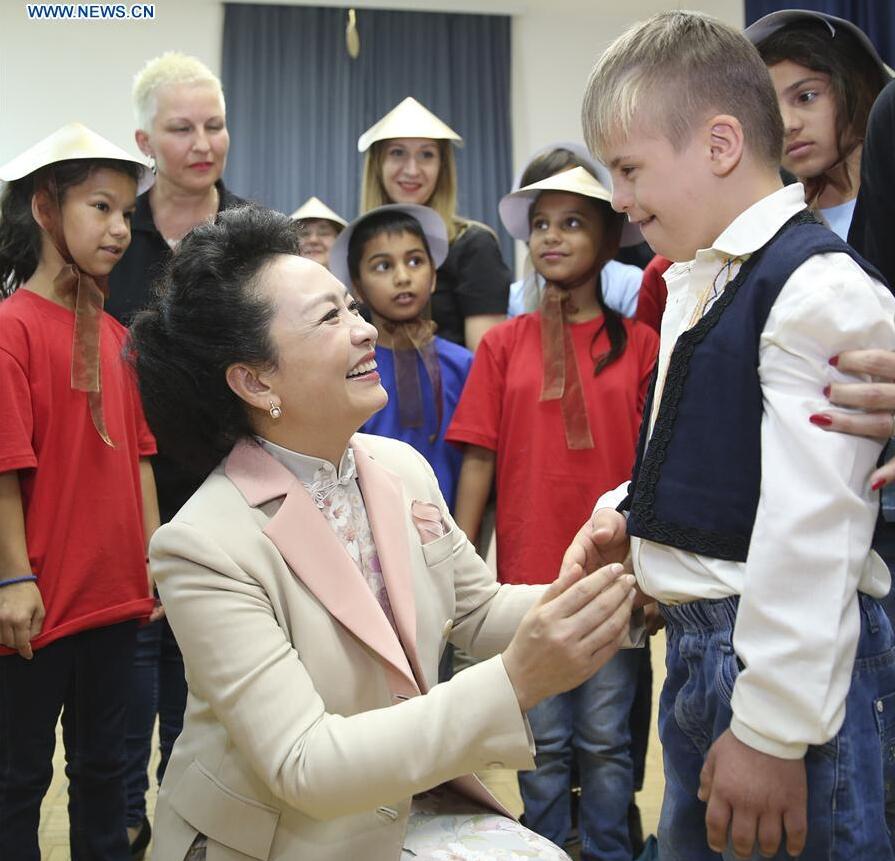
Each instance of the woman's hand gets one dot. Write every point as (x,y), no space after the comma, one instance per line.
(877,400)
(572,631)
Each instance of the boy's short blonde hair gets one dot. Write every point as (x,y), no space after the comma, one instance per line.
(171,67)
(674,71)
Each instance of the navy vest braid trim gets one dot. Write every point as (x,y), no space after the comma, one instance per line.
(718,545)
(642,498)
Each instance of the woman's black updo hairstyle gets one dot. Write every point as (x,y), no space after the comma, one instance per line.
(206,314)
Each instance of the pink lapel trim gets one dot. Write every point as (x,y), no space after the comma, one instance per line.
(257,476)
(314,553)
(388,512)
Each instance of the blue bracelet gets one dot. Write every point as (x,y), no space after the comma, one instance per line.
(31,578)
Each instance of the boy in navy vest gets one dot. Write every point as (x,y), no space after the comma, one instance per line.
(749,526)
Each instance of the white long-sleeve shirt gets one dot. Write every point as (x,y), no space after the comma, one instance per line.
(798,620)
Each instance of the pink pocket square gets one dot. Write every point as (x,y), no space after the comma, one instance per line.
(426,518)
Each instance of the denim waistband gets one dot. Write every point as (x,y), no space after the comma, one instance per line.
(720,614)
(706,615)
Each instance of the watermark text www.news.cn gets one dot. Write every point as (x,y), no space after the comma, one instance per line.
(90,11)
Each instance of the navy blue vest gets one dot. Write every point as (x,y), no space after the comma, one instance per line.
(696,485)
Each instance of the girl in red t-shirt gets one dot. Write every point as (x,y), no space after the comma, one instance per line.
(77,497)
(552,406)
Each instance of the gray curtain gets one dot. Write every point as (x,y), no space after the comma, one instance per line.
(296,102)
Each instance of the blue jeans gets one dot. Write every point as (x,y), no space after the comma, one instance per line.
(851,778)
(591,723)
(157,687)
(85,677)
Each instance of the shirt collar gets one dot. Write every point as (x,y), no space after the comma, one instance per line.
(307,468)
(752,228)
(142,217)
(757,225)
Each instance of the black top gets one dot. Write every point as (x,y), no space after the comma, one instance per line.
(131,281)
(130,285)
(870,233)
(472,280)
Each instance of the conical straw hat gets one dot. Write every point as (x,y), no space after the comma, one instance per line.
(314,207)
(514,207)
(408,120)
(72,141)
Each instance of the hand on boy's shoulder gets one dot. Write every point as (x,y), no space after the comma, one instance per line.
(870,406)
(754,797)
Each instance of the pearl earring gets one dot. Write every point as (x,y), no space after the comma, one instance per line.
(275,411)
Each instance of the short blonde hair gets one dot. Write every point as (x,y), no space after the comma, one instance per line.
(677,69)
(170,68)
(444,197)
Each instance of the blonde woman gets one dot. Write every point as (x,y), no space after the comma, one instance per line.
(182,128)
(410,159)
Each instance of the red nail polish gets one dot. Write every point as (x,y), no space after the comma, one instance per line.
(826,391)
(880,482)
(821,420)
(834,361)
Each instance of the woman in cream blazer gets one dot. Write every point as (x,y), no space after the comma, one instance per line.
(314,718)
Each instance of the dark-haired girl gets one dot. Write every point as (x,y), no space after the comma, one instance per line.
(77,497)
(552,407)
(827,75)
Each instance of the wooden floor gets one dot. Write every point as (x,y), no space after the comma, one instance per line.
(54,814)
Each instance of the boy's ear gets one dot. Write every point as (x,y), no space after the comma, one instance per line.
(726,143)
(142,140)
(434,281)
(248,385)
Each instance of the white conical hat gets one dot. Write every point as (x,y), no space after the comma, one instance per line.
(314,207)
(631,234)
(408,120)
(514,207)
(430,221)
(72,141)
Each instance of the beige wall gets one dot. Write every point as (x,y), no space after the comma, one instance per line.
(53,72)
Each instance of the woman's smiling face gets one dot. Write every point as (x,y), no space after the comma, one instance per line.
(325,375)
(410,169)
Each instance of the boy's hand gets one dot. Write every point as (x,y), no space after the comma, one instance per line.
(21,617)
(654,621)
(755,797)
(601,541)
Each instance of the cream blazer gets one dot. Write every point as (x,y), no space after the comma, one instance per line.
(310,724)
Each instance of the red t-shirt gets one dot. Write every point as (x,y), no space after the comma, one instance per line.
(82,500)
(544,490)
(653,293)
